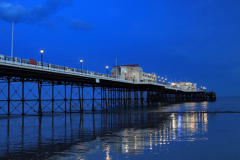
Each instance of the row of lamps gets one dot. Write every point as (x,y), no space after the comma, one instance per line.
(81,61)
(159,78)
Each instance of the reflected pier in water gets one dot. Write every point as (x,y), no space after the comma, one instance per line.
(68,135)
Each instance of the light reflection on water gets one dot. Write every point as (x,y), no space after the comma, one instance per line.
(78,135)
(124,134)
(134,141)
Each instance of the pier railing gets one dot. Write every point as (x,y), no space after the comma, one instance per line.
(48,66)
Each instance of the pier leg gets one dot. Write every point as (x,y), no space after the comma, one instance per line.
(82,99)
(124,98)
(65,99)
(161,97)
(79,98)
(8,100)
(106,98)
(141,98)
(111,97)
(101,97)
(93,100)
(40,97)
(135,98)
(120,96)
(23,100)
(129,98)
(115,97)
(148,98)
(71,98)
(52,97)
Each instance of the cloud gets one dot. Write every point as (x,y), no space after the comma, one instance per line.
(78,24)
(41,14)
(17,13)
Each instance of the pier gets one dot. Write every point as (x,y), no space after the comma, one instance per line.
(27,88)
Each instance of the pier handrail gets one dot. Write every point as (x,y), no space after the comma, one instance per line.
(48,66)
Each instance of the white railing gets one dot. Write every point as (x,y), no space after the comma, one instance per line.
(47,67)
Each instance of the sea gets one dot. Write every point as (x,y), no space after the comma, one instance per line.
(191,130)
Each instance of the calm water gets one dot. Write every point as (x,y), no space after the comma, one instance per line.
(207,130)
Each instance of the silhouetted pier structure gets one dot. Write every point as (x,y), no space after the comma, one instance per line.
(28,88)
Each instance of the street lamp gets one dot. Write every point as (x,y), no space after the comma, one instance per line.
(81,64)
(41,51)
(107,70)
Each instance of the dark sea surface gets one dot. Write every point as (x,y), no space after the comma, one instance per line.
(203,130)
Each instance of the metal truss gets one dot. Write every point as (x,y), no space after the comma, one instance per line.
(38,96)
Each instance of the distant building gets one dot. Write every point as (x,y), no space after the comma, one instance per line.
(132,73)
(188,86)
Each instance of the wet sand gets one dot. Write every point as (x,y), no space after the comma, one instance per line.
(181,131)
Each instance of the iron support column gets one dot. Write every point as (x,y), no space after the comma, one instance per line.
(79,98)
(129,98)
(101,97)
(71,98)
(40,97)
(141,98)
(115,98)
(82,98)
(23,97)
(65,99)
(93,99)
(52,97)
(124,98)
(106,98)
(8,100)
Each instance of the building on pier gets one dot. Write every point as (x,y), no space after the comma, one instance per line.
(133,73)
(187,86)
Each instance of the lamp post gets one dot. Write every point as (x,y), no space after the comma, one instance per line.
(81,64)
(107,70)
(41,51)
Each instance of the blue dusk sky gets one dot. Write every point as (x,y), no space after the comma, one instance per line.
(193,40)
